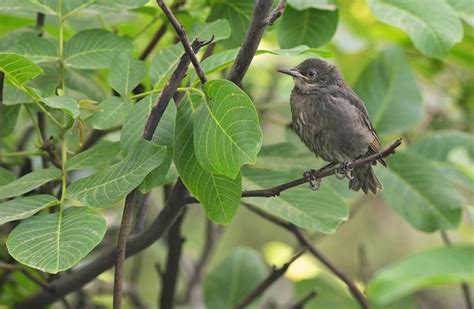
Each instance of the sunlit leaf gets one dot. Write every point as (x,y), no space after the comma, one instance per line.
(18,69)
(58,241)
(60,7)
(446,265)
(24,207)
(432,25)
(29,182)
(464,8)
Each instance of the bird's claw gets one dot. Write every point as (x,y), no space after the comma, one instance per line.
(343,171)
(313,179)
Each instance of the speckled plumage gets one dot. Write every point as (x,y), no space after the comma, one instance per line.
(332,121)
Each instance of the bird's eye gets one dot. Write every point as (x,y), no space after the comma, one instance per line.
(311,73)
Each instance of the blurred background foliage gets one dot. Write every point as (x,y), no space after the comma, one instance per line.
(423,94)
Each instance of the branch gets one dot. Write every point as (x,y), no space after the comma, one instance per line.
(302,302)
(318,255)
(184,40)
(153,42)
(252,38)
(276,13)
(274,275)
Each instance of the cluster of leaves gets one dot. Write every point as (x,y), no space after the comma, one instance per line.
(212,134)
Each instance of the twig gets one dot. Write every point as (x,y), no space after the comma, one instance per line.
(302,302)
(153,42)
(464,286)
(252,39)
(276,13)
(274,275)
(170,276)
(40,17)
(318,255)
(184,40)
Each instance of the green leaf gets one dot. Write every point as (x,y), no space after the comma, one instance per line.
(36,48)
(311,27)
(315,4)
(420,193)
(432,25)
(96,157)
(163,65)
(109,186)
(238,14)
(219,195)
(59,7)
(320,211)
(219,29)
(84,82)
(241,271)
(69,105)
(18,69)
(128,74)
(390,92)
(164,135)
(94,49)
(24,207)
(446,265)
(464,8)
(6,176)
(437,145)
(227,132)
(118,5)
(29,182)
(8,119)
(113,111)
(58,241)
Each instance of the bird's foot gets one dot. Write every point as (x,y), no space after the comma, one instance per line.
(313,179)
(344,171)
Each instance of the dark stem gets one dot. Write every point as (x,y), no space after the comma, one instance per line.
(302,302)
(316,253)
(184,40)
(276,12)
(170,276)
(153,42)
(252,39)
(40,17)
(274,275)
(466,292)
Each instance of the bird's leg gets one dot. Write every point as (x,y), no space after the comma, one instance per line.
(344,171)
(314,178)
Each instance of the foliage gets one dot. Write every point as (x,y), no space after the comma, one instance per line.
(78,91)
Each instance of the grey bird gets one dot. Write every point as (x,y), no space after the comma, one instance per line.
(333,122)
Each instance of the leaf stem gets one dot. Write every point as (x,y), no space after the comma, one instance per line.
(61,49)
(21,154)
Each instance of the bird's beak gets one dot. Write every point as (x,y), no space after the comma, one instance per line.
(292,72)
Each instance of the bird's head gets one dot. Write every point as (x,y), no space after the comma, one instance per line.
(313,73)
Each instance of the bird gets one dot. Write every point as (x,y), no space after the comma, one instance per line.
(333,122)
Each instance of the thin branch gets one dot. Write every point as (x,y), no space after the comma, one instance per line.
(40,17)
(466,292)
(276,13)
(302,302)
(274,275)
(316,253)
(252,38)
(184,40)
(153,42)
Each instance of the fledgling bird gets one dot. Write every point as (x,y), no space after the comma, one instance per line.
(333,122)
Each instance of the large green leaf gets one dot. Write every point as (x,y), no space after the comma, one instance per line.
(390,92)
(446,265)
(219,195)
(464,8)
(60,7)
(420,193)
(112,184)
(58,241)
(432,25)
(29,182)
(241,271)
(437,145)
(113,111)
(127,74)
(69,105)
(227,132)
(238,14)
(8,119)
(320,211)
(163,64)
(6,176)
(24,207)
(36,48)
(316,4)
(94,49)
(311,27)
(118,5)
(18,69)
(96,157)
(218,30)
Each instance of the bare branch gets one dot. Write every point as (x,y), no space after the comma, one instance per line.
(312,249)
(276,13)
(184,40)
(302,302)
(274,275)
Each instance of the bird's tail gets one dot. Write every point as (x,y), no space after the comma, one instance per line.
(365,179)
